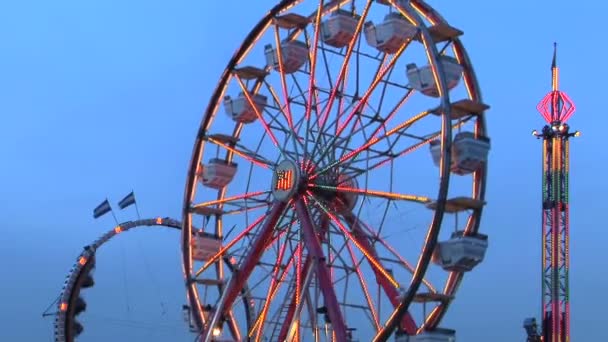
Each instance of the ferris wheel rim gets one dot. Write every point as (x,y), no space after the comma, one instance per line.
(480,176)
(446,136)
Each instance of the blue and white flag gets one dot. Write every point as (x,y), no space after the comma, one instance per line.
(127,201)
(102,209)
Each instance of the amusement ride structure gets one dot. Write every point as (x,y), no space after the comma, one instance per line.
(312,209)
(556,108)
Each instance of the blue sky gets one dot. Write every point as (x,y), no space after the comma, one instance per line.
(101,97)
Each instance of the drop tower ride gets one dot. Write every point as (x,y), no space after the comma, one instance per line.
(556,108)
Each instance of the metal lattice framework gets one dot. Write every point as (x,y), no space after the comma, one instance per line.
(314,179)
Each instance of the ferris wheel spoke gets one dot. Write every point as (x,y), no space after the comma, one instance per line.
(227,200)
(250,156)
(245,209)
(387,282)
(362,127)
(350,267)
(291,133)
(387,159)
(379,69)
(325,137)
(277,285)
(291,311)
(287,112)
(384,70)
(253,256)
(323,117)
(364,287)
(275,281)
(342,86)
(338,261)
(311,312)
(259,115)
(374,141)
(314,91)
(304,105)
(313,61)
(342,75)
(311,242)
(299,300)
(430,319)
(373,193)
(226,248)
(381,126)
(363,101)
(281,231)
(233,326)
(372,235)
(312,88)
(344,67)
(375,264)
(369,251)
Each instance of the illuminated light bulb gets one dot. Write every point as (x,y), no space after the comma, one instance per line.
(217,331)
(577,134)
(534,132)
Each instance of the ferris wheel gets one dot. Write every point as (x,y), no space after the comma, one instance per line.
(339,170)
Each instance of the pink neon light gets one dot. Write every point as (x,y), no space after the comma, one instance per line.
(549,107)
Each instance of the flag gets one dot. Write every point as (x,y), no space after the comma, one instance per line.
(127,201)
(102,209)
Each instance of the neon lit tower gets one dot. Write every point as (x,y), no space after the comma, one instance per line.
(556,108)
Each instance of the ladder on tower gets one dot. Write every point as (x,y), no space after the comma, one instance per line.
(282,314)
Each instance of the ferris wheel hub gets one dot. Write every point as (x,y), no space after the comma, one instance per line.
(285,180)
(337,189)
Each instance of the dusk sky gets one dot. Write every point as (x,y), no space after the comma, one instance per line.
(99,98)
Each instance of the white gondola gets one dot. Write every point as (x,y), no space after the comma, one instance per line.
(294,53)
(461,253)
(240,110)
(469,152)
(205,246)
(391,34)
(422,79)
(435,146)
(339,29)
(217,173)
(437,335)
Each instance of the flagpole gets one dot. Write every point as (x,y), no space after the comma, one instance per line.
(136,207)
(114,216)
(137,211)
